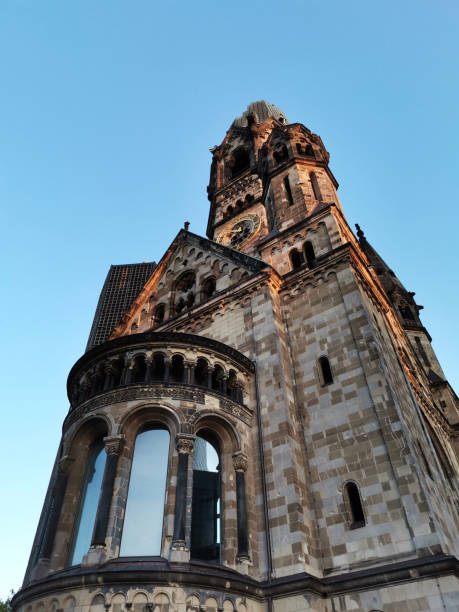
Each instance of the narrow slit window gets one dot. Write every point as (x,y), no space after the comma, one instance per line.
(355,505)
(288,191)
(325,370)
(315,186)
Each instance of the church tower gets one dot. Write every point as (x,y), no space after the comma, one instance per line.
(259,421)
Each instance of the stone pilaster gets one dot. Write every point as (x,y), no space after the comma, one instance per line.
(179,549)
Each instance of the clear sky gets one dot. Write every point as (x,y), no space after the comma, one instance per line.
(108,109)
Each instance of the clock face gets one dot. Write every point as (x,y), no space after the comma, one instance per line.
(240,232)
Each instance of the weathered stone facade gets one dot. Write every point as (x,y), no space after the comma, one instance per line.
(290,342)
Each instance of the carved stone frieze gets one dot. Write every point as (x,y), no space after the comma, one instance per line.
(133,393)
(237,410)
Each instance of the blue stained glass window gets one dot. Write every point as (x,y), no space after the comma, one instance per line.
(143,521)
(89,500)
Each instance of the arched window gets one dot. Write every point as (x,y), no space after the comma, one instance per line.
(157,373)
(139,369)
(288,191)
(309,151)
(159,314)
(90,491)
(355,505)
(309,254)
(143,520)
(177,369)
(206,506)
(117,371)
(208,288)
(315,186)
(296,259)
(241,162)
(217,378)
(325,371)
(200,372)
(229,211)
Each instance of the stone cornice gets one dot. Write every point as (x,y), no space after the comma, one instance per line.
(158,571)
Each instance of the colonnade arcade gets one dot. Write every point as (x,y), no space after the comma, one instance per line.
(150,364)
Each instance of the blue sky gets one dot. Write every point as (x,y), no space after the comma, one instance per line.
(108,110)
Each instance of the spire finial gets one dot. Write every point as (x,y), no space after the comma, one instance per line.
(186,225)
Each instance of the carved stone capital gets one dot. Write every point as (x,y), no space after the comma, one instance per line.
(113,444)
(185,443)
(65,464)
(240,462)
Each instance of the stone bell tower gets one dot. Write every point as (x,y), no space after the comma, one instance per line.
(259,422)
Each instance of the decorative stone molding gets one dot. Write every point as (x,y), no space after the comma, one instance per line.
(185,443)
(237,410)
(113,444)
(240,462)
(134,392)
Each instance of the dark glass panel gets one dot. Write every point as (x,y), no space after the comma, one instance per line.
(205,520)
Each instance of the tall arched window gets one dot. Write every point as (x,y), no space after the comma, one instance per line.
(325,371)
(309,254)
(143,519)
(355,505)
(206,507)
(89,498)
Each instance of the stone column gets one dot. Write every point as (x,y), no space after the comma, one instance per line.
(186,372)
(113,447)
(124,373)
(149,368)
(240,465)
(179,550)
(191,366)
(108,381)
(130,373)
(57,499)
(224,382)
(209,376)
(167,365)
